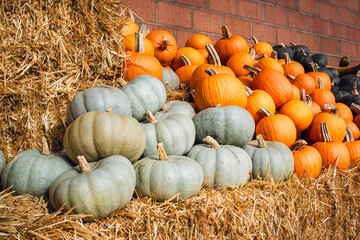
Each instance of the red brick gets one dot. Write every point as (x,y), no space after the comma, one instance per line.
(328,10)
(225,6)
(358,51)
(287,35)
(311,41)
(239,27)
(293,4)
(318,25)
(266,33)
(145,9)
(353,4)
(354,62)
(338,2)
(214,37)
(338,30)
(309,6)
(329,45)
(299,21)
(276,15)
(269,1)
(174,15)
(251,10)
(207,21)
(182,36)
(334,61)
(347,49)
(197,3)
(346,16)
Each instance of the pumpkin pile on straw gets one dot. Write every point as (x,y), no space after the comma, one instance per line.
(51,50)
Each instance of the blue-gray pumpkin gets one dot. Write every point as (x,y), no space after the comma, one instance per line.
(176,131)
(97,135)
(33,171)
(223,165)
(2,162)
(230,125)
(98,99)
(176,107)
(96,189)
(146,93)
(170,79)
(162,177)
(270,158)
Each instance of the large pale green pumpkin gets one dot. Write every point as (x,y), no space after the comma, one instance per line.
(162,177)
(223,165)
(176,131)
(2,162)
(170,79)
(97,189)
(270,158)
(97,135)
(98,99)
(33,171)
(230,125)
(146,93)
(176,107)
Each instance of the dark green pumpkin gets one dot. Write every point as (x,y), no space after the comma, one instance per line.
(331,72)
(320,59)
(344,62)
(350,79)
(281,49)
(354,97)
(305,60)
(299,50)
(339,92)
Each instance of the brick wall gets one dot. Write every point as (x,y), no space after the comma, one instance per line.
(326,26)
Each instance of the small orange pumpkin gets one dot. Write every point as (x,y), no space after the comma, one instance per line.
(198,41)
(129,44)
(262,47)
(204,53)
(344,111)
(299,112)
(237,61)
(269,63)
(303,81)
(165,46)
(185,72)
(353,147)
(191,53)
(256,100)
(356,108)
(324,77)
(353,128)
(291,67)
(246,80)
(322,96)
(315,108)
(130,27)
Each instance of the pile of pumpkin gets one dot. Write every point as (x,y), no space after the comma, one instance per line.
(131,139)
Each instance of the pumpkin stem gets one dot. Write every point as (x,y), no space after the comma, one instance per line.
(83,164)
(265,112)
(152,118)
(185,60)
(218,105)
(164,107)
(290,77)
(355,91)
(255,39)
(325,132)
(321,84)
(109,110)
(139,43)
(254,70)
(211,71)
(282,45)
(287,58)
(358,73)
(303,95)
(261,141)
(225,31)
(298,145)
(313,66)
(252,51)
(274,55)
(333,109)
(122,82)
(293,44)
(164,44)
(349,136)
(45,146)
(259,56)
(355,107)
(131,16)
(213,56)
(248,91)
(307,99)
(213,143)
(161,152)
(143,29)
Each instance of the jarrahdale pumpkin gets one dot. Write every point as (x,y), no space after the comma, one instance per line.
(96,189)
(2,162)
(176,106)
(97,135)
(223,165)
(164,177)
(270,159)
(170,80)
(98,99)
(33,171)
(224,125)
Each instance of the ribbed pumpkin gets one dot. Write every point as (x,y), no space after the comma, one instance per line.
(262,47)
(165,46)
(270,81)
(199,74)
(322,96)
(140,63)
(303,81)
(185,72)
(335,124)
(129,44)
(299,112)
(171,80)
(323,76)
(219,88)
(291,67)
(315,108)
(307,160)
(256,100)
(353,128)
(2,162)
(344,112)
(175,106)
(246,80)
(332,151)
(356,108)
(296,93)
(229,44)
(237,61)
(269,63)
(191,53)
(204,53)
(353,147)
(198,41)
(130,26)
(278,127)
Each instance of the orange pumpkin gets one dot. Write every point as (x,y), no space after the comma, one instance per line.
(278,127)
(324,77)
(296,93)
(353,147)
(299,112)
(219,88)
(256,100)
(191,53)
(185,72)
(129,44)
(237,61)
(307,160)
(165,46)
(322,96)
(198,41)
(130,27)
(303,81)
(262,47)
(332,152)
(356,108)
(336,125)
(229,44)
(291,67)
(140,63)
(246,80)
(315,108)
(344,111)
(200,74)
(269,63)
(353,128)
(204,53)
